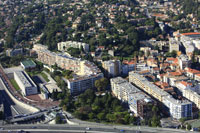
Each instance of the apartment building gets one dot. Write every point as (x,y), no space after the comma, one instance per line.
(14,52)
(191,72)
(147,86)
(183,61)
(173,45)
(121,88)
(81,83)
(192,96)
(197,77)
(128,66)
(63,46)
(137,100)
(25,83)
(87,71)
(177,108)
(112,68)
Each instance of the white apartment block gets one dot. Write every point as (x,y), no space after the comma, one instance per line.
(192,96)
(147,86)
(64,61)
(25,83)
(88,72)
(80,84)
(126,92)
(63,46)
(178,109)
(112,67)
(122,88)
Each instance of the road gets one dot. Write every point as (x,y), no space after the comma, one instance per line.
(10,108)
(93,129)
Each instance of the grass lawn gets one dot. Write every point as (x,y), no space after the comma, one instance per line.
(15,85)
(44,76)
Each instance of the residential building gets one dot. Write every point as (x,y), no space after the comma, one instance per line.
(192,96)
(63,46)
(81,83)
(142,67)
(191,72)
(173,45)
(194,35)
(87,72)
(197,77)
(25,83)
(144,108)
(121,88)
(128,66)
(138,101)
(183,61)
(177,108)
(147,86)
(14,52)
(112,68)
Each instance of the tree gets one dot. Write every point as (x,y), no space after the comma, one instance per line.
(58,120)
(189,127)
(91,116)
(155,121)
(101,84)
(64,107)
(101,116)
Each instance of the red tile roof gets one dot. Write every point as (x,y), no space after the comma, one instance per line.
(186,83)
(190,33)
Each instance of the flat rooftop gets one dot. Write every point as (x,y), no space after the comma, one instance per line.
(28,63)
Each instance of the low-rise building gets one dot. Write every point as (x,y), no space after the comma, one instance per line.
(14,52)
(25,83)
(28,64)
(191,72)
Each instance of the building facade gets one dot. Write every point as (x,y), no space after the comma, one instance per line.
(177,108)
(63,46)
(112,68)
(80,84)
(25,83)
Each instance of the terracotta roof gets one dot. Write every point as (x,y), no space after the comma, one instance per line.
(185,83)
(194,71)
(175,73)
(129,62)
(156,69)
(197,75)
(190,33)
